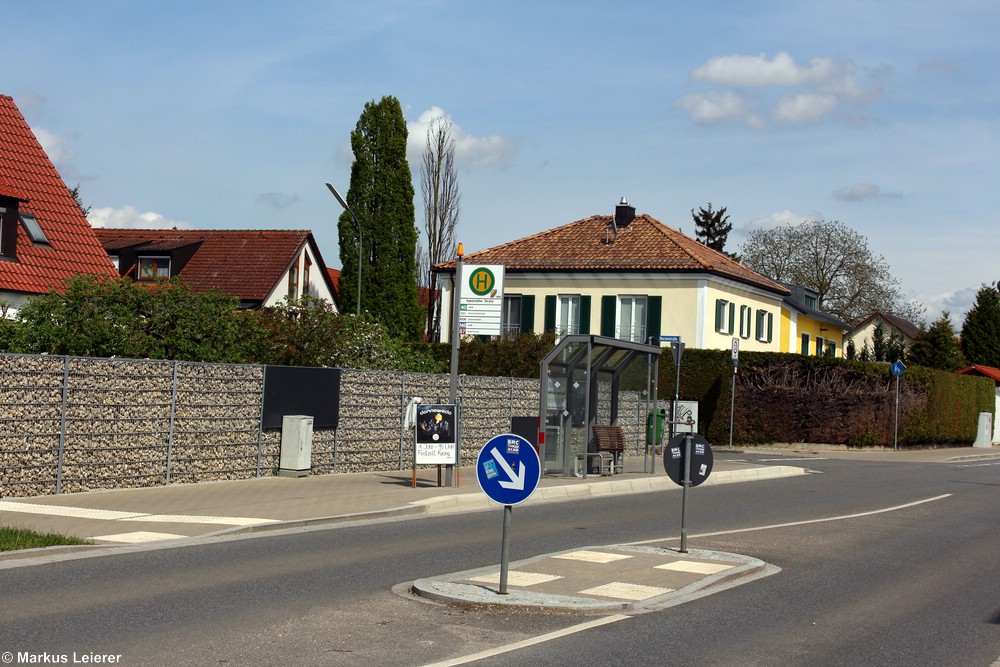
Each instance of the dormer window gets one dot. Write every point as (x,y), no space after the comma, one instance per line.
(33,229)
(153,268)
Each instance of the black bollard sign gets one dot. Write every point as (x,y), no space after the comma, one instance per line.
(674,459)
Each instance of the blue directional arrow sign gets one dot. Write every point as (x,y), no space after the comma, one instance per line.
(508,469)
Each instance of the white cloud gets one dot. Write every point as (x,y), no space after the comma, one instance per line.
(470,152)
(759,71)
(54,145)
(864,191)
(804,108)
(788,92)
(128,217)
(713,107)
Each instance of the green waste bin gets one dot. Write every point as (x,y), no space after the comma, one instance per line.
(654,426)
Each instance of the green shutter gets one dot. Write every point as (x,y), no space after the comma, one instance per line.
(732,318)
(770,326)
(654,309)
(550,312)
(527,313)
(585,314)
(608,306)
(720,314)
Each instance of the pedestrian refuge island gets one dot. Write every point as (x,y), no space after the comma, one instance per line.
(582,380)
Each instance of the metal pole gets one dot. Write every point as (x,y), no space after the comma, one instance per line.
(732,407)
(505,549)
(453,384)
(358,226)
(895,426)
(649,420)
(684,492)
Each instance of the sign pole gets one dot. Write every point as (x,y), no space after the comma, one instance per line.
(684,491)
(505,549)
(453,384)
(732,398)
(897,370)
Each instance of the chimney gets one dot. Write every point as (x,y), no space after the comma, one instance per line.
(624,214)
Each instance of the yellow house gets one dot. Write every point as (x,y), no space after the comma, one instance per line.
(807,330)
(630,277)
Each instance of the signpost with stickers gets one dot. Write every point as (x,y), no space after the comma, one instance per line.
(508,470)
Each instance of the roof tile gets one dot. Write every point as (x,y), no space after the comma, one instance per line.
(27,174)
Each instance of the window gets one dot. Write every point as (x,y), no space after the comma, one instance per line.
(725,313)
(632,318)
(511,326)
(3,215)
(805,344)
(831,348)
(569,315)
(116,260)
(819,346)
(305,275)
(810,301)
(765,324)
(293,281)
(34,230)
(746,314)
(154,268)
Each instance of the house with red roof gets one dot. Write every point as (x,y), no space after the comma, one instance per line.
(261,267)
(629,277)
(44,236)
(993,374)
(893,327)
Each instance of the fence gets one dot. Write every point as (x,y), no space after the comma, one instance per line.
(70,424)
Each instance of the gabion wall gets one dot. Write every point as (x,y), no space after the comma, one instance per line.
(70,424)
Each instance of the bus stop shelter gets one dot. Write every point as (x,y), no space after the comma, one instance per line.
(581,382)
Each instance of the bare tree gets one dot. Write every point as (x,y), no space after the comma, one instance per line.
(439,185)
(831,258)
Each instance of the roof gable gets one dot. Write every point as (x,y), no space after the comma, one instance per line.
(591,244)
(244,263)
(27,174)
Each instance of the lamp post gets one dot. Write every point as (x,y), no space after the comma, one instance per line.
(357,225)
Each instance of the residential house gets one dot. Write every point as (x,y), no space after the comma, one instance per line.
(807,330)
(630,277)
(260,267)
(44,236)
(863,334)
(993,374)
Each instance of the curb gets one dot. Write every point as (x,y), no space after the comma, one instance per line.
(447,589)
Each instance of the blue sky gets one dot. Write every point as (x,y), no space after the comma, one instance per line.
(883,115)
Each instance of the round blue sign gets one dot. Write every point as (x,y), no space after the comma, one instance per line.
(508,469)
(898,368)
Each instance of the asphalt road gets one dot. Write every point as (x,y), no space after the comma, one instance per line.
(913,586)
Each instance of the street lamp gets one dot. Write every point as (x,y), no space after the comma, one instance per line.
(358,226)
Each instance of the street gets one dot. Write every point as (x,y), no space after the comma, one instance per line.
(915,585)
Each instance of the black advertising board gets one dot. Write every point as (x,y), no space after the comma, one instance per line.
(301,390)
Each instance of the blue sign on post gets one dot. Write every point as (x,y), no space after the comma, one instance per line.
(897,368)
(508,469)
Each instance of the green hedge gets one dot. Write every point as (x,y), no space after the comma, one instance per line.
(795,398)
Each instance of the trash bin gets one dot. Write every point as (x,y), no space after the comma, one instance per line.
(654,426)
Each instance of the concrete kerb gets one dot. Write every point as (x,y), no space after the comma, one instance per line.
(449,588)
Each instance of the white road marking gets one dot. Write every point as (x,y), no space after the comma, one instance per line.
(541,639)
(808,521)
(114,515)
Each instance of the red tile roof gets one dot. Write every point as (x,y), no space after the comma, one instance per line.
(986,371)
(645,244)
(27,174)
(244,263)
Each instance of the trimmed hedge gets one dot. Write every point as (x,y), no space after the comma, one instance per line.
(795,398)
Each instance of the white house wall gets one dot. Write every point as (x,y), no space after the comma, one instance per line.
(688,302)
(317,282)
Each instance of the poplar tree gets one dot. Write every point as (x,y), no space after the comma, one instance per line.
(381,196)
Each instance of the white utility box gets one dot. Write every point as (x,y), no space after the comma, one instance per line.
(296,446)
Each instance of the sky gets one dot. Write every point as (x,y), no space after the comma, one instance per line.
(232,115)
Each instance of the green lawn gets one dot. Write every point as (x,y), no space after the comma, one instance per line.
(19,538)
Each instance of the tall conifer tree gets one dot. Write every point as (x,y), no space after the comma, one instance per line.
(981,329)
(381,196)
